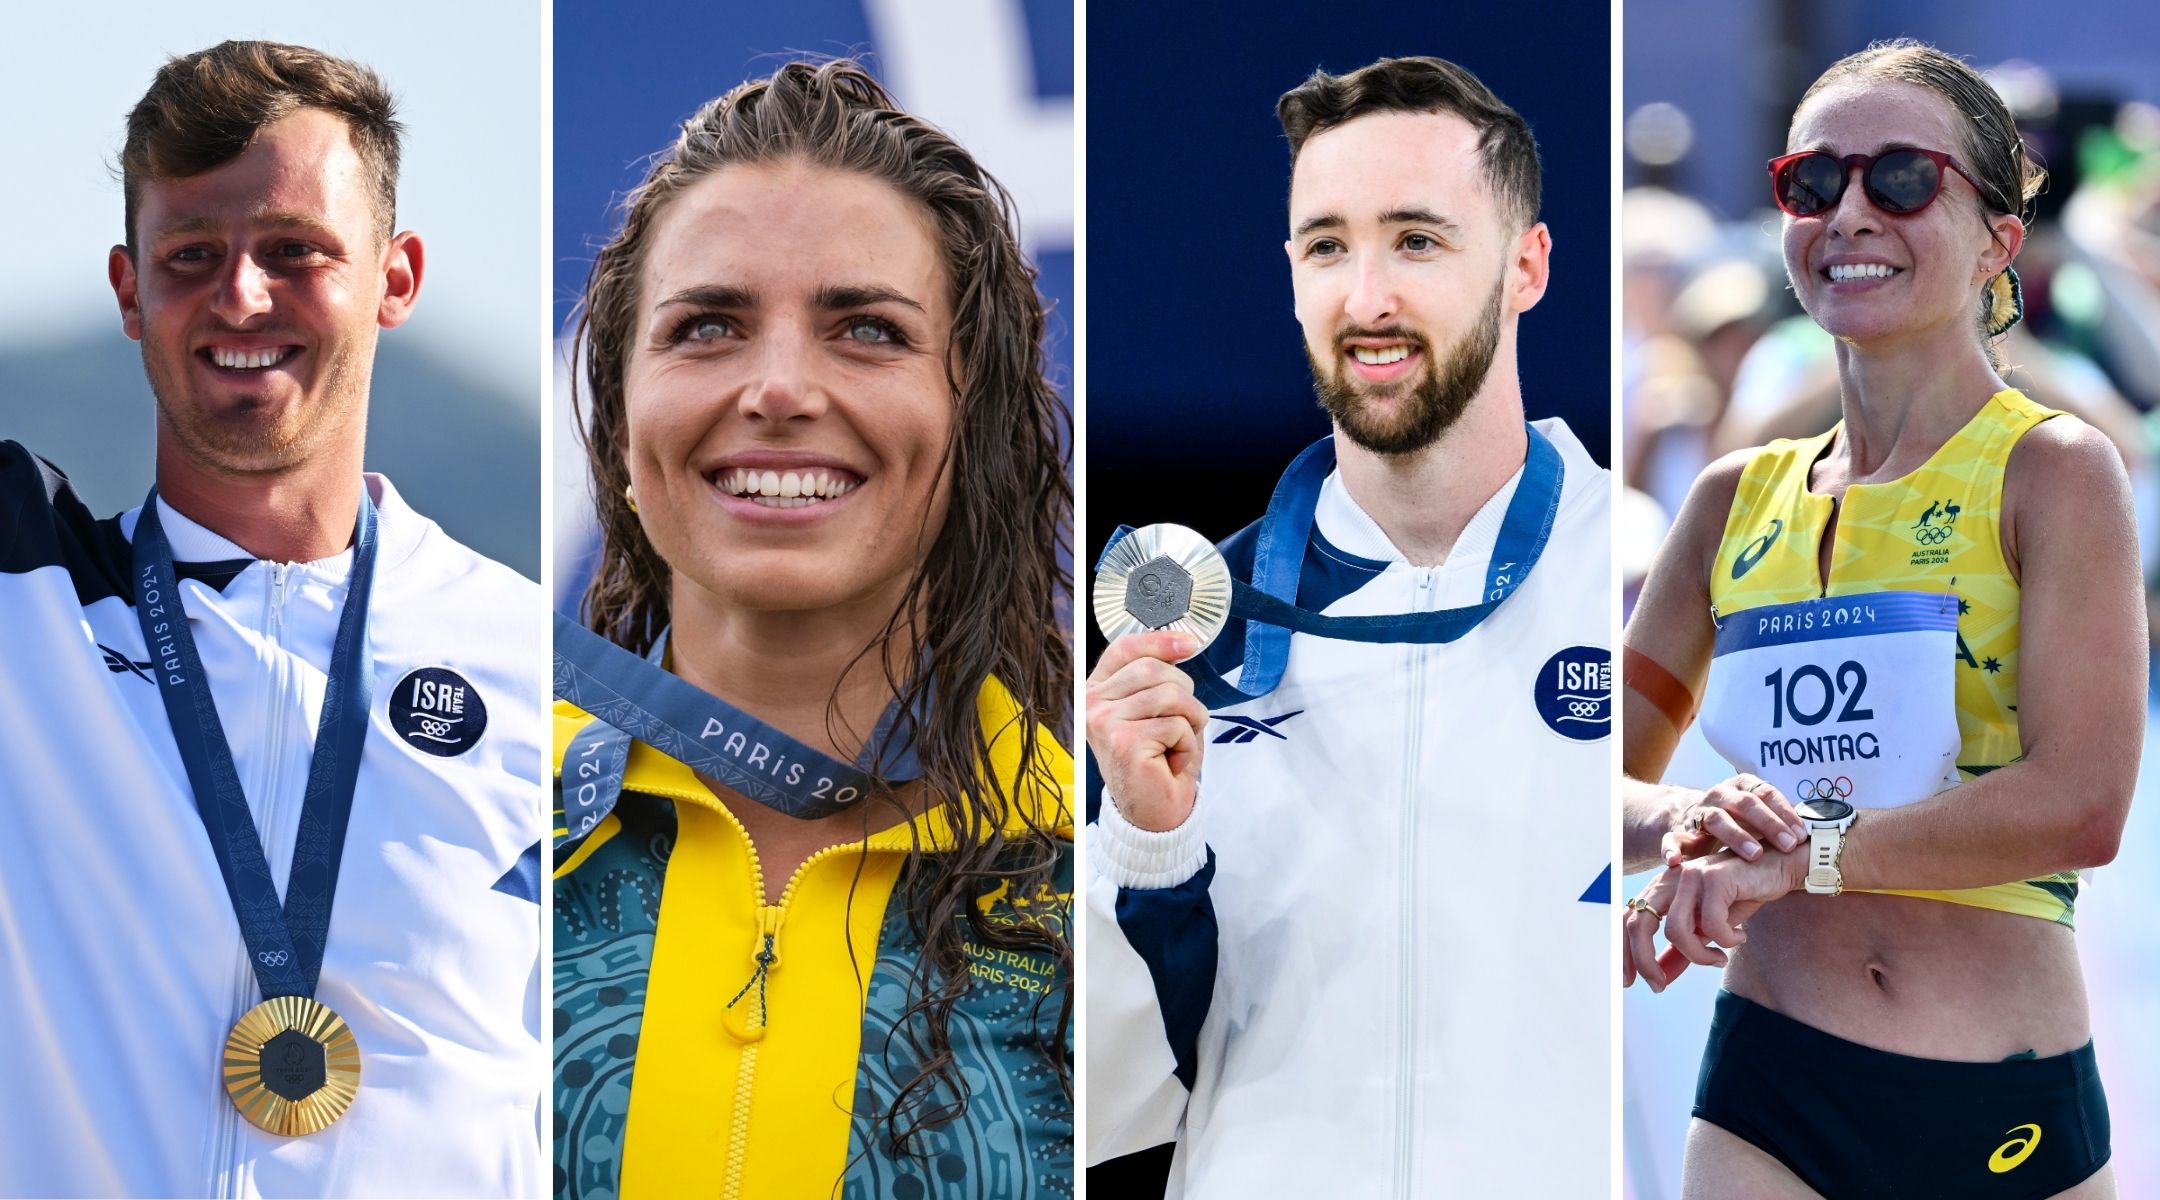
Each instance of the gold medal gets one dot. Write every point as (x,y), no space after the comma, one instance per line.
(1162,577)
(291,1065)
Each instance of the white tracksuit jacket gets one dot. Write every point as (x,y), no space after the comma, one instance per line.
(121,964)
(1377,962)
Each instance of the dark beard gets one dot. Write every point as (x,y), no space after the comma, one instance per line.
(1436,398)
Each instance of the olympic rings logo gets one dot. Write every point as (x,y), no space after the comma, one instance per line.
(1932,535)
(1825,789)
(1585,708)
(274,958)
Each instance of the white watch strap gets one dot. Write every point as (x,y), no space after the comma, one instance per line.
(1825,844)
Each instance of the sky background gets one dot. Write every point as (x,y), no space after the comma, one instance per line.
(456,414)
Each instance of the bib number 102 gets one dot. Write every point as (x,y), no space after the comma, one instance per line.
(1809,705)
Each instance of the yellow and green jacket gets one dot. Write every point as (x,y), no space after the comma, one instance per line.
(710,1044)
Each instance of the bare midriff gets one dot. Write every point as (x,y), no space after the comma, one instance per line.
(1924,978)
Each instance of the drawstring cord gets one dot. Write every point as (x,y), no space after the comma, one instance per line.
(765,960)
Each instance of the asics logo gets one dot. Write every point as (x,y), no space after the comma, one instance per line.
(1245,729)
(1745,561)
(1825,789)
(2010,1154)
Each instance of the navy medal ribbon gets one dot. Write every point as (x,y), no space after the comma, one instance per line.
(284,941)
(1268,602)
(637,698)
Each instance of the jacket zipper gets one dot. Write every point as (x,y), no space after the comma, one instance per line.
(1406,1074)
(749,1026)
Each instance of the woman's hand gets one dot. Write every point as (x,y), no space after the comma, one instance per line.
(1146,728)
(1740,814)
(1703,903)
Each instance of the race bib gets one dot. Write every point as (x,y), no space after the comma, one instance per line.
(1848,697)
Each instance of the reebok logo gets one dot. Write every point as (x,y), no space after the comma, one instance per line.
(1245,729)
(121,664)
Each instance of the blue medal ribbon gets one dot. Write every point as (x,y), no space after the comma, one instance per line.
(637,698)
(284,941)
(1268,603)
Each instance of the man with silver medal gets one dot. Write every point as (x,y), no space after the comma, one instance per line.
(283,731)
(1411,686)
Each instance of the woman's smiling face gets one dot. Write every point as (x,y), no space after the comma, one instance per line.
(1865,274)
(787,392)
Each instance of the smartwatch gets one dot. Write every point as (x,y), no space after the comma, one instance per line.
(1827,820)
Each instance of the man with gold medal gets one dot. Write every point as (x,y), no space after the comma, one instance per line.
(269,913)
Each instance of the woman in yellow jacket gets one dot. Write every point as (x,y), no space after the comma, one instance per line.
(810,932)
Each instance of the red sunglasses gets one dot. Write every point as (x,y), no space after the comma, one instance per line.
(1900,181)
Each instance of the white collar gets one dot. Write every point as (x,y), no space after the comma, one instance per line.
(1351,529)
(194,542)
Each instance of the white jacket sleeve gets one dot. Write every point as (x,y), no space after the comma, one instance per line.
(1150,974)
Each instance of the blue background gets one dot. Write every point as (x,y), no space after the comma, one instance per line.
(1198,391)
(622,86)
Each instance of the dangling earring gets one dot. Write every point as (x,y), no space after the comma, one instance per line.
(2003,303)
(629,493)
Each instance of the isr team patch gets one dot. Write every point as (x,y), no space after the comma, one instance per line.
(436,711)
(1574,693)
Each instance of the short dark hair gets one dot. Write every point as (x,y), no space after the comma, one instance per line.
(205,109)
(1425,85)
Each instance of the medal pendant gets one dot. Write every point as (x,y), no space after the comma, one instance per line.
(1162,577)
(291,1066)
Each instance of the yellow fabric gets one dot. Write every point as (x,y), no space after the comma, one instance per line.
(1937,529)
(753,1098)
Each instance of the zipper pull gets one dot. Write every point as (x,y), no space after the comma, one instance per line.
(280,573)
(747,1016)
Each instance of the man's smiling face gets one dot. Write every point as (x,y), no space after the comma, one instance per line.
(257,289)
(1399,260)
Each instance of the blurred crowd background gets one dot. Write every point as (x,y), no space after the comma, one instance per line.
(1716,355)
(454,416)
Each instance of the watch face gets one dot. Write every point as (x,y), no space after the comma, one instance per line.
(1824,810)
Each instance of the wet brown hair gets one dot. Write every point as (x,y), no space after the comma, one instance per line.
(1506,148)
(1991,149)
(205,109)
(986,599)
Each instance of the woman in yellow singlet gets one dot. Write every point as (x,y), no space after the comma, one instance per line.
(1919,640)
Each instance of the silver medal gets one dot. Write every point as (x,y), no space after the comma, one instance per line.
(1162,577)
